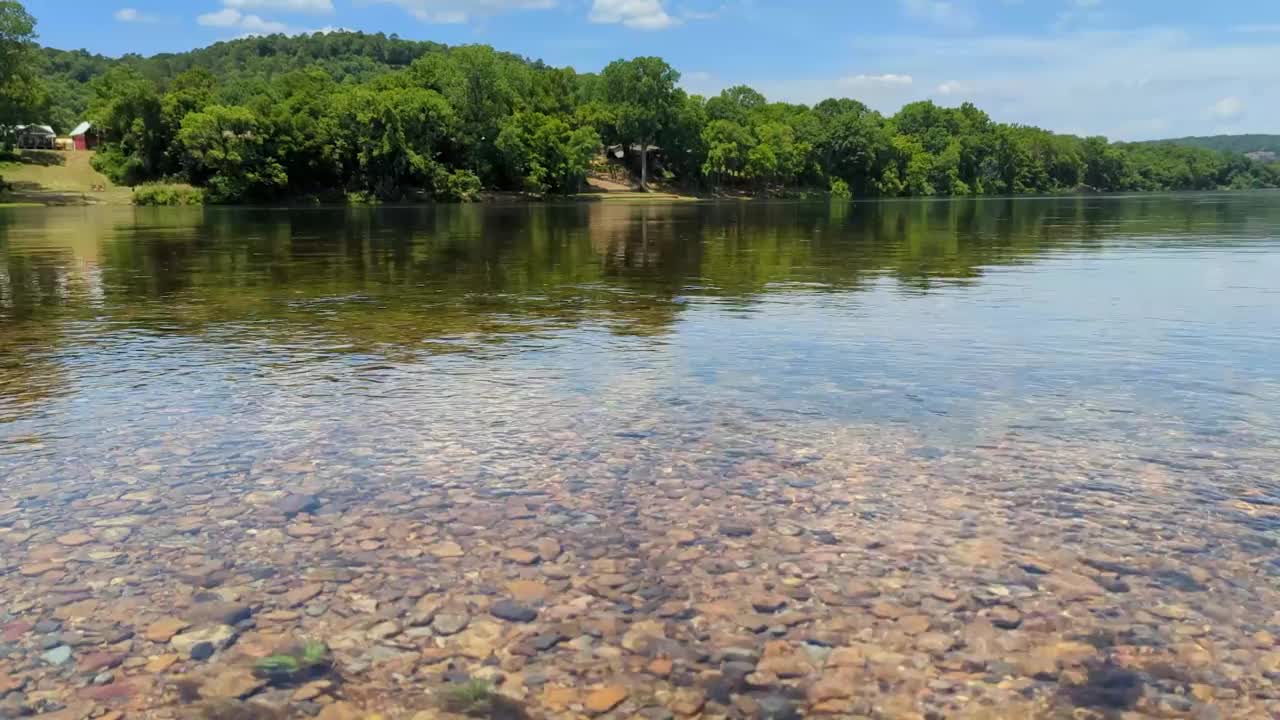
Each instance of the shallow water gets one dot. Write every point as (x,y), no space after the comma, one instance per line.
(911,396)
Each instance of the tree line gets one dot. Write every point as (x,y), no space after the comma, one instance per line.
(1237,144)
(369,116)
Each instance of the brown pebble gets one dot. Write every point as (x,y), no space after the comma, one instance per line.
(605,699)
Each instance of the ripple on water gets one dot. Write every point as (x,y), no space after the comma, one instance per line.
(926,458)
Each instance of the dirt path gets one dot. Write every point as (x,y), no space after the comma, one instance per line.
(598,184)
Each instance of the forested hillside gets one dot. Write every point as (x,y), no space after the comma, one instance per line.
(343,56)
(368,116)
(1238,144)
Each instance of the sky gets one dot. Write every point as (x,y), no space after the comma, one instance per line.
(1127,69)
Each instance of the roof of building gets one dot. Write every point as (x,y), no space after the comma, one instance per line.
(42,129)
(82,128)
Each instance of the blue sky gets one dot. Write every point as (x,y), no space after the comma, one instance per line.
(1129,69)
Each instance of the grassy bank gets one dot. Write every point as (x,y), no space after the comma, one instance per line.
(50,178)
(36,178)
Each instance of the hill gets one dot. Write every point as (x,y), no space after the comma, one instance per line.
(368,117)
(1234,144)
(252,62)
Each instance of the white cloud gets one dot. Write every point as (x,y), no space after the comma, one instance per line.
(1132,84)
(318,7)
(1228,109)
(228,17)
(249,24)
(889,80)
(938,12)
(447,12)
(636,14)
(133,15)
(257,26)
(952,87)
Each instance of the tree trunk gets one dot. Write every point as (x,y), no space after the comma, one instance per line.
(644,165)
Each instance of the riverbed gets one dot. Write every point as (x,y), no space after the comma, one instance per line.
(921,459)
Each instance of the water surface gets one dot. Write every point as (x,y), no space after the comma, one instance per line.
(950,392)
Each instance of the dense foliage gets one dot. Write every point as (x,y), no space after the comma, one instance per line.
(369,116)
(19,86)
(1239,144)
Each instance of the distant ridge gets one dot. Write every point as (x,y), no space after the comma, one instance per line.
(1236,144)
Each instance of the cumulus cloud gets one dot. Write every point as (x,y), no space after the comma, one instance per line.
(133,15)
(864,82)
(248,24)
(461,11)
(318,7)
(636,14)
(1228,109)
(228,17)
(1130,84)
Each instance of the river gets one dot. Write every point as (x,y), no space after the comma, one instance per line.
(932,458)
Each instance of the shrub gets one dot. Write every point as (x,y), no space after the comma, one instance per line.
(362,197)
(459,186)
(159,194)
(121,169)
(840,189)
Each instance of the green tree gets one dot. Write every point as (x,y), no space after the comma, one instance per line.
(642,95)
(482,87)
(735,104)
(226,149)
(390,140)
(728,146)
(912,168)
(777,155)
(298,115)
(192,91)
(545,153)
(20,89)
(127,110)
(854,145)
(381,115)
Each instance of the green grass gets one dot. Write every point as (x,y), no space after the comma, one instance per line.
(49,177)
(307,660)
(473,698)
(167,195)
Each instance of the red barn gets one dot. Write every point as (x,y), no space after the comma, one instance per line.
(84,136)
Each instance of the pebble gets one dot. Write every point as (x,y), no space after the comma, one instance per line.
(215,637)
(604,699)
(58,655)
(694,587)
(1005,617)
(767,603)
(163,630)
(75,539)
(292,505)
(513,612)
(450,623)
